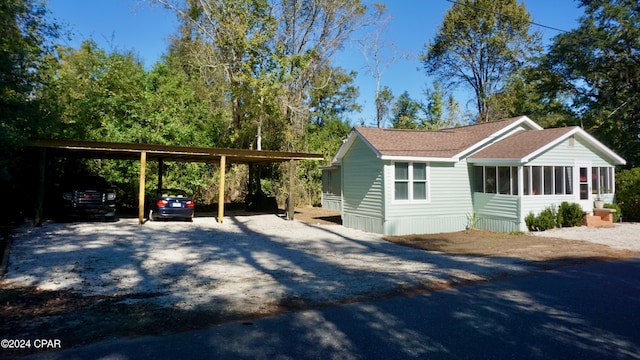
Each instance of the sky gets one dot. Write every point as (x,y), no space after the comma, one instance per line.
(138,26)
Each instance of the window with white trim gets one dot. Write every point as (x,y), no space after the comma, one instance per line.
(548,180)
(602,180)
(411,181)
(495,179)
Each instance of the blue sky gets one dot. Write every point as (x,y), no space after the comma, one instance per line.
(136,25)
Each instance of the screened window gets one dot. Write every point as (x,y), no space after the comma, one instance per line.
(602,180)
(495,179)
(410,181)
(548,180)
(490,179)
(536,180)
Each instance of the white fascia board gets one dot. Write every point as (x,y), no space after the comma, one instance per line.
(417,159)
(578,132)
(513,162)
(347,143)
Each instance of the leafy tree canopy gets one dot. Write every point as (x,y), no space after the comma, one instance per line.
(480,43)
(597,66)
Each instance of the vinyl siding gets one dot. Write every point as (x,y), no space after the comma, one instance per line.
(363,188)
(497,212)
(447,209)
(332,189)
(564,154)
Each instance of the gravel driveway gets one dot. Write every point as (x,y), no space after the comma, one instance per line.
(625,236)
(248,264)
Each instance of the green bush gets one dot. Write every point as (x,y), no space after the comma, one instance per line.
(548,218)
(628,193)
(570,214)
(531,221)
(567,215)
(617,214)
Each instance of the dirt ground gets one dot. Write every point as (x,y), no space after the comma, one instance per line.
(546,252)
(79,320)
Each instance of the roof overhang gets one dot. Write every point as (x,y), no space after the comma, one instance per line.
(576,132)
(130,151)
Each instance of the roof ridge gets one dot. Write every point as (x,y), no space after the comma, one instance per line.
(443,129)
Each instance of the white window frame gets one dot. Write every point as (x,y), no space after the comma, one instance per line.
(410,182)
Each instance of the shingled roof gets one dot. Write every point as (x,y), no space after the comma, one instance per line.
(446,144)
(522,144)
(514,139)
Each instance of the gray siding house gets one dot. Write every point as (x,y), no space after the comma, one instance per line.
(490,175)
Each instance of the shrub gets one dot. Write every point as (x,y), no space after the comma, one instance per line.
(570,214)
(531,221)
(617,214)
(548,218)
(628,193)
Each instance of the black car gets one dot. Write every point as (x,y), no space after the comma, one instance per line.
(88,197)
(171,203)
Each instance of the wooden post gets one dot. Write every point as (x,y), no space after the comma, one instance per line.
(143,168)
(42,163)
(160,173)
(291,204)
(223,160)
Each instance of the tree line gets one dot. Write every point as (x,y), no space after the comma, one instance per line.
(259,74)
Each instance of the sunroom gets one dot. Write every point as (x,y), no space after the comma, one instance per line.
(569,165)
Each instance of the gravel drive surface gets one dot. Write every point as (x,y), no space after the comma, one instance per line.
(625,236)
(247,264)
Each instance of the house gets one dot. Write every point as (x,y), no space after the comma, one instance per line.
(489,175)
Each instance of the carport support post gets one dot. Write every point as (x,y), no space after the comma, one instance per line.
(143,168)
(42,163)
(291,204)
(223,160)
(160,173)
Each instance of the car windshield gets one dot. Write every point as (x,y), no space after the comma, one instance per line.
(172,193)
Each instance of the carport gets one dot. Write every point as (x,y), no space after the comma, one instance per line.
(161,153)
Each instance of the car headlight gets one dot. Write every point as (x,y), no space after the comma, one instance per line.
(67,196)
(111,196)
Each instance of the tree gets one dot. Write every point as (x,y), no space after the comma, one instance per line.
(597,66)
(271,52)
(379,55)
(434,110)
(25,38)
(480,43)
(406,113)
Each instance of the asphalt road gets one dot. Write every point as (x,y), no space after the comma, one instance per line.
(586,312)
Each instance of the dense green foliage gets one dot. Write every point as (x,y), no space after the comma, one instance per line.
(567,215)
(596,65)
(616,215)
(570,214)
(240,74)
(480,44)
(628,193)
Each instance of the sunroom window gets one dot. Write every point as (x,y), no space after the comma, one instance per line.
(548,180)
(602,180)
(495,179)
(410,181)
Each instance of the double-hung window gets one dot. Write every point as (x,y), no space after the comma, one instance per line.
(411,181)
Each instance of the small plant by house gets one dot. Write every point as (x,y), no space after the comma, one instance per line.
(567,215)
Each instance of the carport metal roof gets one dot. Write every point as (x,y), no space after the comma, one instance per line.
(156,152)
(130,151)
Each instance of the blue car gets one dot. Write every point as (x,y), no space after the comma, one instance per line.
(171,203)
